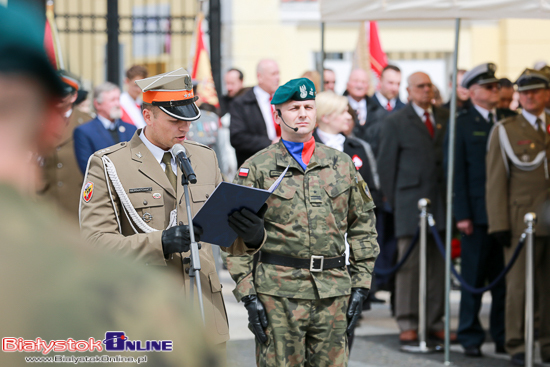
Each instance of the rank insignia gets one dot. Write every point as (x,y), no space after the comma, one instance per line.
(88,191)
(243,172)
(358,162)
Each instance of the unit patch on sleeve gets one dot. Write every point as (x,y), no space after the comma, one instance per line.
(88,191)
(243,172)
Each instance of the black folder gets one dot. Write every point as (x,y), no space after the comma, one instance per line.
(226,199)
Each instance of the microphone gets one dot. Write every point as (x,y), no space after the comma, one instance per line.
(183,162)
(281,116)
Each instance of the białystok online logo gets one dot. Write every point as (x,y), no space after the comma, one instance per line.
(115,341)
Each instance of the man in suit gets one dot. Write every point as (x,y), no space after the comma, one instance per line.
(252,126)
(144,181)
(106,129)
(363,109)
(387,96)
(482,256)
(410,165)
(462,95)
(329,79)
(234,84)
(518,183)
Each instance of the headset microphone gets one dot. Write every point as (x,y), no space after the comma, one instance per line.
(281,116)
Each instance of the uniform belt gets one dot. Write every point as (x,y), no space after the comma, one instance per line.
(315,264)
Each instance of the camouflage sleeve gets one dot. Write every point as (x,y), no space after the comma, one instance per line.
(362,235)
(240,267)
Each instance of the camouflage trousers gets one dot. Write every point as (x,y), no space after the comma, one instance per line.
(303,332)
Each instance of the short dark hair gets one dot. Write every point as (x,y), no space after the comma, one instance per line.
(505,83)
(241,75)
(135,71)
(150,107)
(390,67)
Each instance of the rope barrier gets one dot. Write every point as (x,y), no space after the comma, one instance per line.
(468,287)
(397,266)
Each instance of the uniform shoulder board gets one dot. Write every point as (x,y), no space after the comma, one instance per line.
(461,113)
(111,149)
(507,120)
(198,144)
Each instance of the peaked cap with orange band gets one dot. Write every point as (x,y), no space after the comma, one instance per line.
(70,81)
(173,93)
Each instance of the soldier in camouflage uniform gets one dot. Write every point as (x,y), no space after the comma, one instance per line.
(301,300)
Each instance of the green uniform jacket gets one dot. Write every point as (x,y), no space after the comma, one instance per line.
(310,214)
(512,195)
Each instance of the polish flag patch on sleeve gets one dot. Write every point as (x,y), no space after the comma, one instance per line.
(243,172)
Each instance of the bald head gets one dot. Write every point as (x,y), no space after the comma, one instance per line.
(358,84)
(267,72)
(420,89)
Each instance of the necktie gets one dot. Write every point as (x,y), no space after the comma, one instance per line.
(491,121)
(277,126)
(114,133)
(429,124)
(540,128)
(166,159)
(389,107)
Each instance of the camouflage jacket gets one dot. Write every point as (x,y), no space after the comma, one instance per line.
(309,214)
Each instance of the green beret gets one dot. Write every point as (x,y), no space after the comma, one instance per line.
(301,89)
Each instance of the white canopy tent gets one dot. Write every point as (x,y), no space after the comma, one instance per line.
(363,10)
(359,10)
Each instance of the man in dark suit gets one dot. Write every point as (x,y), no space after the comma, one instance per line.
(482,256)
(363,109)
(387,96)
(233,79)
(106,129)
(252,127)
(462,95)
(410,165)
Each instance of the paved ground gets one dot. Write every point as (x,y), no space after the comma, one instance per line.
(376,342)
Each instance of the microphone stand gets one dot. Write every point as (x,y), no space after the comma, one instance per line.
(194,258)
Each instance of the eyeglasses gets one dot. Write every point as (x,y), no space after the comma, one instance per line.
(425,85)
(491,86)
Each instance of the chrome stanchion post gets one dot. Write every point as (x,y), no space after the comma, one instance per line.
(422,347)
(530,219)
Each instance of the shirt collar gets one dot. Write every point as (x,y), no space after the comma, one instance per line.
(335,141)
(383,100)
(356,105)
(532,119)
(106,122)
(261,94)
(485,113)
(156,151)
(420,111)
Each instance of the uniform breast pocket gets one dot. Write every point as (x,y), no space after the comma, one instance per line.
(199,194)
(338,195)
(150,208)
(281,205)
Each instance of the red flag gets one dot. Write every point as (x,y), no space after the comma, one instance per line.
(378,58)
(202,70)
(51,39)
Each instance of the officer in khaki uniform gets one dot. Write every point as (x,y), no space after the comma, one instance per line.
(517,183)
(132,200)
(301,300)
(62,179)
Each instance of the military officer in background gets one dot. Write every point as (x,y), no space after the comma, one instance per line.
(300,298)
(517,183)
(62,179)
(63,290)
(132,198)
(482,256)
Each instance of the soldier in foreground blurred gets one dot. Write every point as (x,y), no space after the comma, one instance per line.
(300,298)
(518,183)
(61,291)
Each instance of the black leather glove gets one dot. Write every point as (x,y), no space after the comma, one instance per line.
(358,296)
(249,226)
(178,239)
(257,318)
(504,238)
